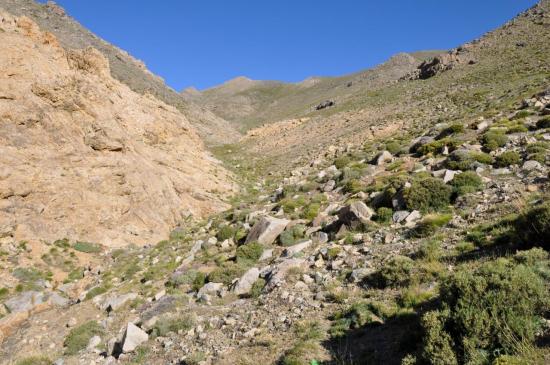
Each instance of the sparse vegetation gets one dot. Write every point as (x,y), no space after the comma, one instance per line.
(87,247)
(78,337)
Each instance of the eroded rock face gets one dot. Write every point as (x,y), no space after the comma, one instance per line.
(84,157)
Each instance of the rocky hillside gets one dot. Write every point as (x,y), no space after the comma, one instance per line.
(406,223)
(84,157)
(475,80)
(125,68)
(248,103)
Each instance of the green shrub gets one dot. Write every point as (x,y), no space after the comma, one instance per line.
(537,147)
(507,158)
(543,123)
(452,129)
(539,157)
(87,247)
(225,232)
(311,211)
(226,273)
(482,157)
(168,324)
(438,146)
(342,162)
(465,160)
(430,250)
(519,128)
(4,293)
(464,247)
(395,272)
(257,288)
(466,182)
(438,345)
(291,235)
(34,360)
(533,226)
(500,232)
(353,186)
(492,140)
(383,215)
(287,238)
(95,291)
(521,114)
(306,349)
(430,224)
(393,147)
(428,194)
(249,253)
(78,337)
(493,310)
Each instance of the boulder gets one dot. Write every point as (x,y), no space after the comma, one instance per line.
(382,157)
(531,165)
(267,230)
(400,216)
(244,284)
(25,301)
(210,288)
(356,212)
(292,250)
(133,337)
(115,302)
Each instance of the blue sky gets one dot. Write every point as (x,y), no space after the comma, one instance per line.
(203,43)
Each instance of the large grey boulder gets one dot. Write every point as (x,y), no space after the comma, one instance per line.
(133,337)
(294,249)
(210,288)
(114,302)
(25,301)
(356,212)
(382,157)
(267,230)
(244,284)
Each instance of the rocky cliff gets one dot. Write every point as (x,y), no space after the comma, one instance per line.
(83,156)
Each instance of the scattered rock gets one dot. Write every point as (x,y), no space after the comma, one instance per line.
(244,284)
(133,337)
(267,230)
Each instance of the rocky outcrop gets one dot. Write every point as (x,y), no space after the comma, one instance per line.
(444,62)
(84,157)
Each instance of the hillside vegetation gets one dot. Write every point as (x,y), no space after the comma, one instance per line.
(408,223)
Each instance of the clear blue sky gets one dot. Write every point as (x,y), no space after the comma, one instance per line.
(203,43)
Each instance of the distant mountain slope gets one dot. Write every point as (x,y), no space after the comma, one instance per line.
(471,83)
(124,67)
(248,103)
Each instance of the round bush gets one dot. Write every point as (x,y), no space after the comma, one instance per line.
(429,194)
(485,313)
(533,226)
(493,140)
(507,158)
(466,182)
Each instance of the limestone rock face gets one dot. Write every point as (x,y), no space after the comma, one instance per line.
(84,157)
